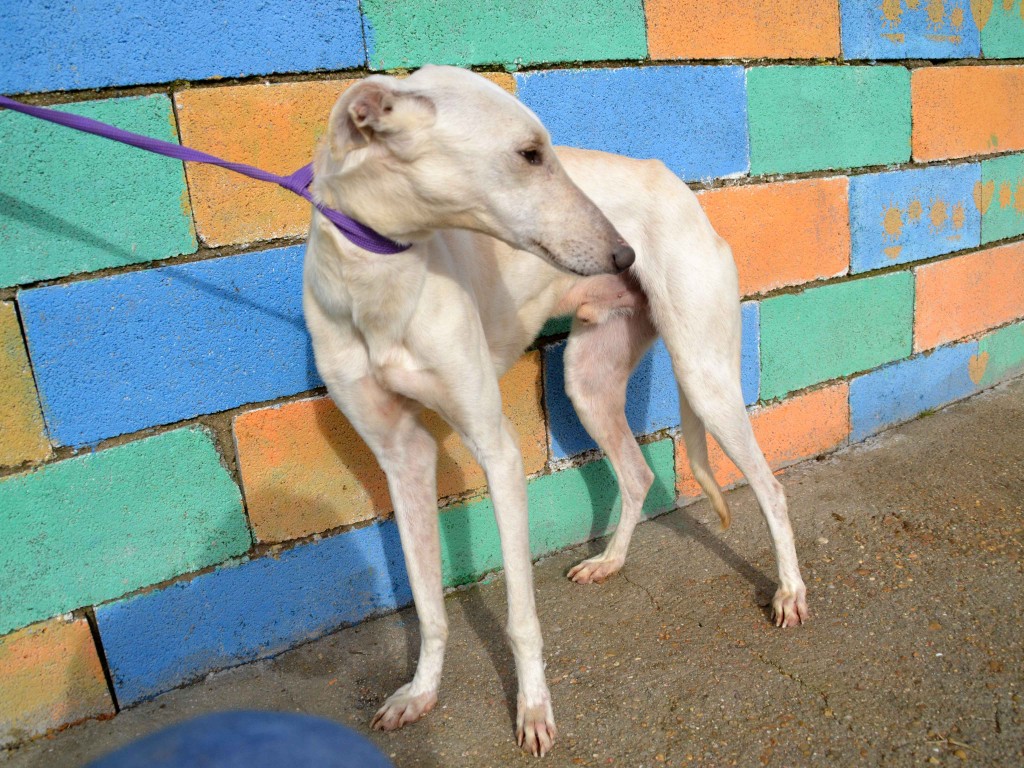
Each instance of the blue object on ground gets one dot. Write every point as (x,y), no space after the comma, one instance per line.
(249,740)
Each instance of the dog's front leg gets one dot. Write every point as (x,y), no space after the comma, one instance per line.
(407,452)
(496,446)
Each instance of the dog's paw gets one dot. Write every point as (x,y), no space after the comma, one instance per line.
(535,728)
(402,708)
(596,569)
(789,606)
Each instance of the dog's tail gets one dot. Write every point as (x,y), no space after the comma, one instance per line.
(695,438)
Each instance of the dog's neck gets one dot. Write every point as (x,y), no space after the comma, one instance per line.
(376,293)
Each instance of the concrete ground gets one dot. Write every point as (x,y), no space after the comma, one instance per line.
(912,547)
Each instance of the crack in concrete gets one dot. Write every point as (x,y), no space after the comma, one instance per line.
(654,602)
(829,711)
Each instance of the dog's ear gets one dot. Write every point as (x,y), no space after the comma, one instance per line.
(375,108)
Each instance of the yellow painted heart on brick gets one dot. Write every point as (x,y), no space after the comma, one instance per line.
(981,10)
(976,367)
(983,194)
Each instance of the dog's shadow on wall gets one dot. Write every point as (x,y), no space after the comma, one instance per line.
(37,217)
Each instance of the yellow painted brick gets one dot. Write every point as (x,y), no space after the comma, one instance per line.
(23,437)
(50,676)
(506,81)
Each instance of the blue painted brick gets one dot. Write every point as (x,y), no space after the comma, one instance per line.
(63,45)
(159,640)
(902,390)
(873,29)
(750,352)
(694,119)
(904,216)
(117,354)
(652,400)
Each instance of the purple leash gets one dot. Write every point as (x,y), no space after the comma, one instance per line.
(298,182)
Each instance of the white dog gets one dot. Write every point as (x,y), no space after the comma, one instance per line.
(507,232)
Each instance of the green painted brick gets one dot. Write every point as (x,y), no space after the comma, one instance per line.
(71,202)
(816,118)
(566,508)
(556,326)
(1005,350)
(1003,35)
(508,32)
(835,330)
(1002,181)
(97,526)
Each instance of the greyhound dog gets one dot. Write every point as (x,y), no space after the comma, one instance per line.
(507,232)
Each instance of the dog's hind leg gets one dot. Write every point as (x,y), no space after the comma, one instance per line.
(689,278)
(599,358)
(712,389)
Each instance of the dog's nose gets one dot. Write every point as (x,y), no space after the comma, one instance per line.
(623,256)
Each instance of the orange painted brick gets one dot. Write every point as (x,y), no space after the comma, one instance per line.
(965,111)
(786,233)
(734,29)
(50,676)
(274,127)
(966,295)
(22,437)
(794,430)
(305,469)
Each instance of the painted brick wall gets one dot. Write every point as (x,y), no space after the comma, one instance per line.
(176,488)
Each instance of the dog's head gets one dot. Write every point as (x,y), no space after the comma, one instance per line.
(445,148)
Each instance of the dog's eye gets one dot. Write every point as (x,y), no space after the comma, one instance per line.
(532,156)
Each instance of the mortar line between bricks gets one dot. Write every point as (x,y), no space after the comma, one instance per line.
(647,28)
(909,266)
(35,383)
(362,32)
(839,28)
(221,427)
(544,412)
(204,253)
(184,171)
(64,452)
(97,638)
(73,95)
